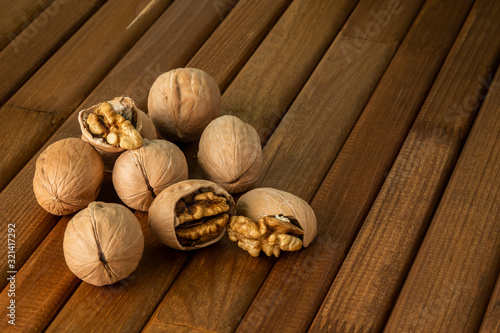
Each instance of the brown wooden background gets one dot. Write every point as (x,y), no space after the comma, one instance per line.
(383,114)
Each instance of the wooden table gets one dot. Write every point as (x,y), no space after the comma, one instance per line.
(383,114)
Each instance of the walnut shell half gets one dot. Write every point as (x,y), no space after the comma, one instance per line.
(230,154)
(103,243)
(272,220)
(182,102)
(125,107)
(68,176)
(139,175)
(190,214)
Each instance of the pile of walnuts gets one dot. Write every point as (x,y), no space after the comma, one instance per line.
(103,243)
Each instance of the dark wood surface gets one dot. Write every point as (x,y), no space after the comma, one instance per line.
(383,114)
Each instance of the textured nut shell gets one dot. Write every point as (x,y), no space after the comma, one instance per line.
(120,238)
(182,102)
(68,176)
(162,219)
(110,153)
(230,154)
(269,201)
(158,163)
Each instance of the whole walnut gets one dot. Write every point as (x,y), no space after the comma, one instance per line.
(139,175)
(182,102)
(68,176)
(115,126)
(103,243)
(230,154)
(271,220)
(191,214)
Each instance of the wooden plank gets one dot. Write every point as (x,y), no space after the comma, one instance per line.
(312,23)
(219,283)
(98,306)
(491,320)
(454,273)
(34,310)
(298,283)
(33,114)
(17,15)
(367,284)
(32,47)
(246,35)
(193,21)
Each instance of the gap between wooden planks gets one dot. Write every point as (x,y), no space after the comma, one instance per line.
(16,15)
(367,284)
(47,99)
(453,275)
(107,298)
(298,283)
(32,47)
(226,277)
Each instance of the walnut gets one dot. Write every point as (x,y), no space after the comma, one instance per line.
(115,126)
(190,214)
(103,243)
(182,102)
(270,234)
(272,221)
(230,154)
(139,175)
(68,176)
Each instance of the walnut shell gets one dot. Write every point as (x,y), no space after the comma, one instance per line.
(68,176)
(163,219)
(230,154)
(126,107)
(103,243)
(269,202)
(139,175)
(182,102)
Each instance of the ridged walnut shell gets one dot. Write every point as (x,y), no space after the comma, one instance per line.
(103,243)
(182,102)
(126,107)
(162,218)
(139,175)
(230,154)
(68,176)
(269,201)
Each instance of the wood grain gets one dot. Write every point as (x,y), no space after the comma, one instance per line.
(32,47)
(491,320)
(297,284)
(265,88)
(317,124)
(130,309)
(194,21)
(367,284)
(219,283)
(42,285)
(17,15)
(241,34)
(33,114)
(454,273)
